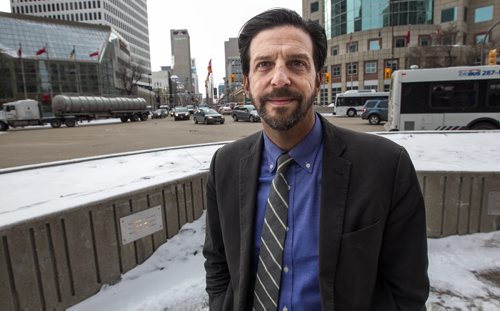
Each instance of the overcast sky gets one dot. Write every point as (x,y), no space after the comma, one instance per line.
(209,24)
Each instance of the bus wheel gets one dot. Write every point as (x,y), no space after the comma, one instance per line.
(374,119)
(351,113)
(484,126)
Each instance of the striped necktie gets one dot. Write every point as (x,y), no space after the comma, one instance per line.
(267,284)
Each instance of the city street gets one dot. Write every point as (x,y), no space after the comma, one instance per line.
(32,145)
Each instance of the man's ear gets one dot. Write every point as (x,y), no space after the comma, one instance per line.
(319,78)
(246,85)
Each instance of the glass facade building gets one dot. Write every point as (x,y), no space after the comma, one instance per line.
(348,16)
(40,58)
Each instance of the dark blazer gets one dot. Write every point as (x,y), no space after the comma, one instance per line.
(373,245)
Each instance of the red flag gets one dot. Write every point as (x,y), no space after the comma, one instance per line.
(93,54)
(41,51)
(20,51)
(209,68)
(408,38)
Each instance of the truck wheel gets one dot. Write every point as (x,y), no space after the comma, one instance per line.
(134,118)
(3,126)
(124,119)
(70,122)
(55,123)
(144,117)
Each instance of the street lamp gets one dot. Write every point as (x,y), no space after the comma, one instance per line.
(150,91)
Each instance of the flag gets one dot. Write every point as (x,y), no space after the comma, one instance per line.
(209,68)
(408,38)
(41,51)
(73,53)
(20,51)
(93,54)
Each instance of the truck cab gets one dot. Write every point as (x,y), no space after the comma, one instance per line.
(20,113)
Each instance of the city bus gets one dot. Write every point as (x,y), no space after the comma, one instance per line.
(453,98)
(350,103)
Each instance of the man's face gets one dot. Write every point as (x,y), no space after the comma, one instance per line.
(282,80)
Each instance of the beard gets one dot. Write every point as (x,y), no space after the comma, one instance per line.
(283,121)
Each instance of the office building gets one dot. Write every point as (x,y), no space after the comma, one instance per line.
(128,18)
(181,59)
(41,57)
(369,39)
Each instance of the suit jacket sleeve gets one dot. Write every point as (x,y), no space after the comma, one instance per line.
(217,273)
(404,252)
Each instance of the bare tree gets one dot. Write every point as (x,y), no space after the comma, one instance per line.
(129,74)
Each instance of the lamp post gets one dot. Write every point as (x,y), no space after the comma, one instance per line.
(150,91)
(484,40)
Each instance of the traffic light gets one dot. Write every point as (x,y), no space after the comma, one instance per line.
(387,73)
(492,57)
(327,77)
(233,78)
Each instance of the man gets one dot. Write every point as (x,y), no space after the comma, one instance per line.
(354,222)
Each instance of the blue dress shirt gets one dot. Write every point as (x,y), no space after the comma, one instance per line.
(299,288)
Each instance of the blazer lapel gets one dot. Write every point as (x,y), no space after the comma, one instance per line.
(335,181)
(248,183)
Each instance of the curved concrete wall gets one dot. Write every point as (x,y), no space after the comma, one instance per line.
(59,260)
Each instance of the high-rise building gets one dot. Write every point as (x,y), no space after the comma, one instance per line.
(367,38)
(181,58)
(128,18)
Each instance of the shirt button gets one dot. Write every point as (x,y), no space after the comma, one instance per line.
(271,167)
(308,165)
(285,308)
(285,269)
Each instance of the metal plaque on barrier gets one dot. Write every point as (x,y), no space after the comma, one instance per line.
(494,203)
(136,226)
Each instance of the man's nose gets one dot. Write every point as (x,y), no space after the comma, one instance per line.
(280,77)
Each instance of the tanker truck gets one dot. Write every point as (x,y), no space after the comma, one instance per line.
(68,110)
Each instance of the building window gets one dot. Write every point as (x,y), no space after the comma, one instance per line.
(449,15)
(480,38)
(424,40)
(352,69)
(448,39)
(391,63)
(483,14)
(374,44)
(352,47)
(314,7)
(335,50)
(336,71)
(465,14)
(371,67)
(399,42)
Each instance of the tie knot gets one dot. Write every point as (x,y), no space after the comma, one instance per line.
(284,161)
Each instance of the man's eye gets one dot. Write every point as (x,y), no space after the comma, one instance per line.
(298,64)
(263,65)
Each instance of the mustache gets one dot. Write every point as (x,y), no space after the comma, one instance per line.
(282,92)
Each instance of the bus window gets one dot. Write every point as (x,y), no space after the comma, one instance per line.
(452,95)
(494,94)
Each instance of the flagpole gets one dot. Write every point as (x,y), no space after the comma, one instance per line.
(20,54)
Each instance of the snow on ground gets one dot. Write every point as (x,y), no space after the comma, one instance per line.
(464,270)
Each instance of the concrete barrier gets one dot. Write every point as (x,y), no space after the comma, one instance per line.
(56,261)
(461,202)
(53,262)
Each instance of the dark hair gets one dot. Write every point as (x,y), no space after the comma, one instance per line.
(281,17)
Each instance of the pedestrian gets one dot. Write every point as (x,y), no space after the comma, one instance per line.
(341,227)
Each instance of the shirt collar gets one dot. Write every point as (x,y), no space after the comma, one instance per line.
(304,154)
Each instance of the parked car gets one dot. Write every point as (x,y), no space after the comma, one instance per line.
(207,116)
(245,113)
(190,109)
(181,113)
(159,114)
(225,109)
(375,111)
